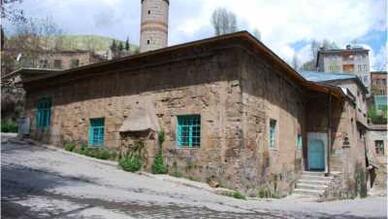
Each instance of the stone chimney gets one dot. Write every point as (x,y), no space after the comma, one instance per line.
(154,24)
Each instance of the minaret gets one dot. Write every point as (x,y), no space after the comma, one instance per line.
(154,24)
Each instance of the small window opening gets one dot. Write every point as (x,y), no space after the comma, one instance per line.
(149,12)
(148,41)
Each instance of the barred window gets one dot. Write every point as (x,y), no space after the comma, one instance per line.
(272,133)
(96,132)
(379,146)
(188,131)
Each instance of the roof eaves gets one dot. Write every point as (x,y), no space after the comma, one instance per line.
(242,34)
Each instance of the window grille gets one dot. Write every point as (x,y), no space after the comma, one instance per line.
(189,131)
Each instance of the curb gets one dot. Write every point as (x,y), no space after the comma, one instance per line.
(163,177)
(105,162)
(52,147)
(194,184)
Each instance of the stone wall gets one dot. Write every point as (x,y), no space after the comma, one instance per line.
(207,85)
(378,185)
(269,94)
(66,58)
(346,162)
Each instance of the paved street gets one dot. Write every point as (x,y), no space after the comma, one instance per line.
(42,183)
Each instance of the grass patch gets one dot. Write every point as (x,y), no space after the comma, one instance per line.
(99,153)
(237,195)
(9,126)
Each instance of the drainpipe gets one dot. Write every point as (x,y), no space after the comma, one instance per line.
(328,136)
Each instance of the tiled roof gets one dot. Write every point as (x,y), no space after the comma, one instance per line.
(325,76)
(330,77)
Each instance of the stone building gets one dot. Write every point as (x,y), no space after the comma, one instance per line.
(231,109)
(353,60)
(377,152)
(378,82)
(379,89)
(65,59)
(349,130)
(154,24)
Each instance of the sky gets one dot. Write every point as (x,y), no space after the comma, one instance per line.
(286,26)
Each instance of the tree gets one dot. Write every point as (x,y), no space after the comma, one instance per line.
(113,47)
(223,21)
(295,62)
(120,47)
(10,13)
(127,44)
(315,46)
(32,38)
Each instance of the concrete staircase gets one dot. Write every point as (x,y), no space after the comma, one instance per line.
(312,184)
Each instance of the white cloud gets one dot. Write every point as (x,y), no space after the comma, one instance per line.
(284,22)
(379,59)
(281,22)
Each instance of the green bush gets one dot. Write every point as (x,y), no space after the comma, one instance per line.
(237,195)
(377,116)
(70,146)
(9,126)
(158,167)
(99,153)
(130,163)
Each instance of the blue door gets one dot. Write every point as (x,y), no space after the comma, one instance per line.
(316,154)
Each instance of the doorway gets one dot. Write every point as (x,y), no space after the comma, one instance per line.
(316,151)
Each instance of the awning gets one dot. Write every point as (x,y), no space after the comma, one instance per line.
(140,119)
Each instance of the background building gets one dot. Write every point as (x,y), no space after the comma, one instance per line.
(353,60)
(379,89)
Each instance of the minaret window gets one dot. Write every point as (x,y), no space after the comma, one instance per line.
(148,41)
(149,12)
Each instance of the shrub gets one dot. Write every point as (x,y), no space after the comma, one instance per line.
(237,194)
(131,163)
(70,146)
(158,167)
(9,126)
(99,153)
(377,116)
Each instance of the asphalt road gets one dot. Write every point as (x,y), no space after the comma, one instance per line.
(42,183)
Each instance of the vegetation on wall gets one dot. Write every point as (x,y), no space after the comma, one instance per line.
(132,161)
(158,166)
(378,116)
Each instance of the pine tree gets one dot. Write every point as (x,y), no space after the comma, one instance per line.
(113,47)
(127,44)
(120,47)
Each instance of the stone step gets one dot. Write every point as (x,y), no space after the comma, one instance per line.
(314,182)
(322,178)
(312,173)
(311,192)
(311,186)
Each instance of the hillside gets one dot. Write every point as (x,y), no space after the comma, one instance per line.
(84,42)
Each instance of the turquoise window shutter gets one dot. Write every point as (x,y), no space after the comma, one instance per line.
(96,132)
(188,131)
(272,133)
